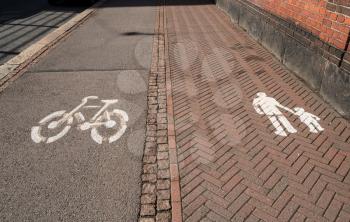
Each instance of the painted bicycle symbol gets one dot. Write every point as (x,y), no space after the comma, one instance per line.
(113,122)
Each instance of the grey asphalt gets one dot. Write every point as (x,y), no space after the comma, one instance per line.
(74,178)
(23,22)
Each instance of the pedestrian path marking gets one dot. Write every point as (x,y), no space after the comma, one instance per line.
(112,120)
(265,105)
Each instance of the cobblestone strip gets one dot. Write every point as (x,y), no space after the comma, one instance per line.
(155,197)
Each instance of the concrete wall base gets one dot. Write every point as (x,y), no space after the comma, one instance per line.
(308,61)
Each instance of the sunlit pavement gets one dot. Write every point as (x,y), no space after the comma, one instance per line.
(254,143)
(23,23)
(72,127)
(156,112)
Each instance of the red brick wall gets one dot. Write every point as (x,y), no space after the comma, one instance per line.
(327,19)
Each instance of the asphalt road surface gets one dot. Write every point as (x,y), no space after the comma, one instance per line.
(23,22)
(47,175)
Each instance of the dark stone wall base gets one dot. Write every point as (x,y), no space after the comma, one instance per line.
(297,52)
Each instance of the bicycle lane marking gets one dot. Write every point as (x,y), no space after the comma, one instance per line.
(95,122)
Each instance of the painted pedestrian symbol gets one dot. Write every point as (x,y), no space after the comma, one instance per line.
(114,121)
(309,119)
(270,107)
(265,105)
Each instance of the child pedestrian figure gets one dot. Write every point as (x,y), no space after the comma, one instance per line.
(308,119)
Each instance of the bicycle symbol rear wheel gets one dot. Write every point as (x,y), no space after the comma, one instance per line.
(36,132)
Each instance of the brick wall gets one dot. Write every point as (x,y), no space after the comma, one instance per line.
(327,19)
(346,60)
(310,37)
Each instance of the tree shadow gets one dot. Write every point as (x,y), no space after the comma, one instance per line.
(23,22)
(135,33)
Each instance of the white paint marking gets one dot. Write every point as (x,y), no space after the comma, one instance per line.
(35,134)
(123,119)
(102,118)
(268,106)
(309,119)
(96,136)
(59,135)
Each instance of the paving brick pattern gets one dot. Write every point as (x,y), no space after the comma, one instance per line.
(232,166)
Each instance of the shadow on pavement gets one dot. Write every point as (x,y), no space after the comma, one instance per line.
(138,3)
(22,22)
(136,33)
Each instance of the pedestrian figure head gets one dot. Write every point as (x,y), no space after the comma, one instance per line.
(299,111)
(261,94)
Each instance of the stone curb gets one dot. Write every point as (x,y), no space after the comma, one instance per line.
(19,62)
(156,181)
(161,198)
(176,206)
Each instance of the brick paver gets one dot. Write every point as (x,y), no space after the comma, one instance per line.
(232,166)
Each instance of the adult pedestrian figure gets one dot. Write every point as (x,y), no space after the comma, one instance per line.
(309,119)
(270,107)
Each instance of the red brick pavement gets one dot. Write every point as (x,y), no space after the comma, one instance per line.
(232,166)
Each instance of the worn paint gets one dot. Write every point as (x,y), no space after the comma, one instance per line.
(116,119)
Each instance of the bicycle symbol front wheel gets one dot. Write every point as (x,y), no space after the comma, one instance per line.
(111,133)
